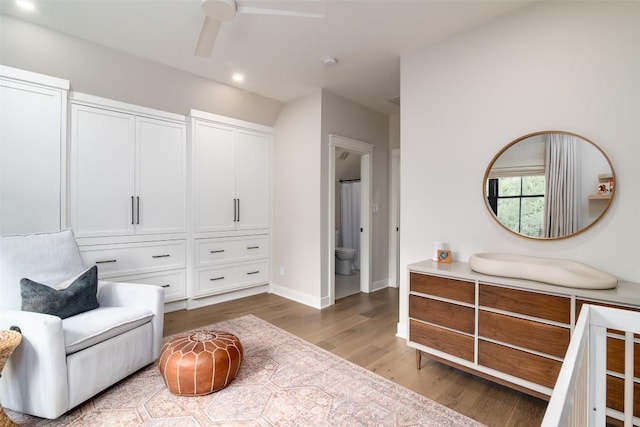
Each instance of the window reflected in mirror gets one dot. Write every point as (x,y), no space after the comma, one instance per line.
(549,185)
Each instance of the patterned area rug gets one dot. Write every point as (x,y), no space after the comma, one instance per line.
(283,381)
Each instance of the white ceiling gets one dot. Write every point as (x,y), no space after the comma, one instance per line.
(281,57)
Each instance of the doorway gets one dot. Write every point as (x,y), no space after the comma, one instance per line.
(365,152)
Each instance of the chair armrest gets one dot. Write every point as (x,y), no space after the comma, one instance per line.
(34,380)
(120,294)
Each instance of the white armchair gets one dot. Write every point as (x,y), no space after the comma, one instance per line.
(60,363)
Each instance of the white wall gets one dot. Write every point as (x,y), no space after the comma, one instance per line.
(351,120)
(571,66)
(296,201)
(105,72)
(300,186)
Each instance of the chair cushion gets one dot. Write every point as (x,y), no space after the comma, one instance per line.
(47,258)
(94,326)
(64,300)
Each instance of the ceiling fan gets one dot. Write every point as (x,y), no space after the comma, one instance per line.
(216,12)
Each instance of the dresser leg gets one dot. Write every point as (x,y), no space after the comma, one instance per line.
(418,359)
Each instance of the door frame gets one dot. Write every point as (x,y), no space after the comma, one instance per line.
(365,151)
(394,217)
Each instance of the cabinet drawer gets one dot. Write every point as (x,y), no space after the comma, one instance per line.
(615,356)
(227,278)
(549,339)
(530,367)
(173,282)
(442,313)
(580,302)
(133,258)
(231,249)
(443,287)
(450,342)
(549,307)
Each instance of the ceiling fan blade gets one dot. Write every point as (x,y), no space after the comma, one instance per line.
(298,8)
(208,35)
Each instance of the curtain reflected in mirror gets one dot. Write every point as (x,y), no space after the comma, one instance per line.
(549,185)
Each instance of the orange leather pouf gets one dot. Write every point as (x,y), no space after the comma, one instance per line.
(200,362)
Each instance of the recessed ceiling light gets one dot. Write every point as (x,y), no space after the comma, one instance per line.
(237,77)
(25,4)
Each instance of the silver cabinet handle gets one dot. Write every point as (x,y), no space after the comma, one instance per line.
(106,261)
(254,272)
(160,256)
(253,247)
(219,251)
(216,278)
(166,286)
(138,209)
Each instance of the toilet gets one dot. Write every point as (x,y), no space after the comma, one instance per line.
(344,257)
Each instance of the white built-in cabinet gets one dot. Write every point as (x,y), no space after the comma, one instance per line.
(128,192)
(128,173)
(32,151)
(231,172)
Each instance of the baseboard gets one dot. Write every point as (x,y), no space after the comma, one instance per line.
(297,296)
(227,296)
(380,284)
(175,305)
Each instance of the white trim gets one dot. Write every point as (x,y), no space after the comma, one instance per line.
(394,217)
(217,118)
(123,107)
(31,77)
(365,150)
(298,296)
(380,284)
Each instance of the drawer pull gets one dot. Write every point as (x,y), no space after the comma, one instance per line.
(254,272)
(253,247)
(166,286)
(160,256)
(106,261)
(216,251)
(216,278)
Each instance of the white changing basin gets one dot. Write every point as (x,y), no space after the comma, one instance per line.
(554,271)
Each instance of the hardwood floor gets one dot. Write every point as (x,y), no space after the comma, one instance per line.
(361,328)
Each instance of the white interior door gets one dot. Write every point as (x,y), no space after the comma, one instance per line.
(31,130)
(214,177)
(252,179)
(102,172)
(160,177)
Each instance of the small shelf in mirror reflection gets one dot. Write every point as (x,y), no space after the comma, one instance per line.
(599,196)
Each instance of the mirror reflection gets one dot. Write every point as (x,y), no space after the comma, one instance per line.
(549,185)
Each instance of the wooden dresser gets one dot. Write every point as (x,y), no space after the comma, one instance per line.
(513,332)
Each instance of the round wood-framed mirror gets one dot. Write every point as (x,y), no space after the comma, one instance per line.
(549,185)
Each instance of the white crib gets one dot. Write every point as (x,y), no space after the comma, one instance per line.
(579,396)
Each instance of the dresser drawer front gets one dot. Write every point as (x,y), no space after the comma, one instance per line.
(450,342)
(541,337)
(227,278)
(132,258)
(173,283)
(458,290)
(530,367)
(548,307)
(615,395)
(231,249)
(441,313)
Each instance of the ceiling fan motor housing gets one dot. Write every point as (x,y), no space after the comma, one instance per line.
(220,10)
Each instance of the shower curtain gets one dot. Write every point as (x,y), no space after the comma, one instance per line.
(350,218)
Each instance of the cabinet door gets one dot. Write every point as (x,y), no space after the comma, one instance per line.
(253,179)
(32,133)
(160,177)
(102,172)
(214,177)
